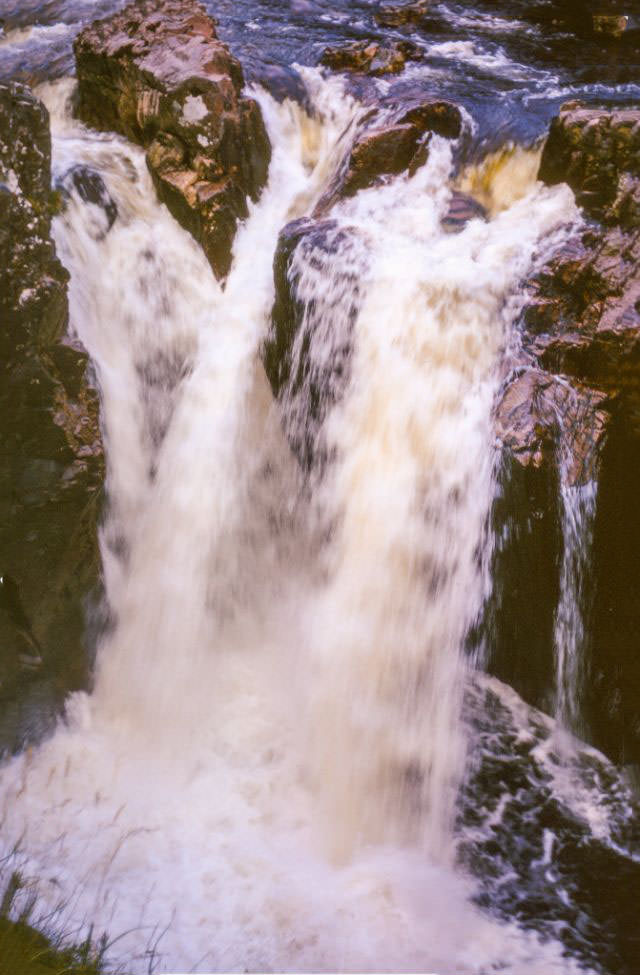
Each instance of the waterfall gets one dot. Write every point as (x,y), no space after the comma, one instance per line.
(578,505)
(265,773)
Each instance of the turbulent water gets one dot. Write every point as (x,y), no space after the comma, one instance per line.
(282,765)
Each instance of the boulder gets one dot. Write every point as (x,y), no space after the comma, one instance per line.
(371,57)
(158,74)
(401,14)
(575,400)
(539,413)
(51,458)
(392,139)
(596,151)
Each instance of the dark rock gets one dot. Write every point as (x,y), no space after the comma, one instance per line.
(539,411)
(307,355)
(398,15)
(393,139)
(577,401)
(159,75)
(90,187)
(462,208)
(370,57)
(592,149)
(51,460)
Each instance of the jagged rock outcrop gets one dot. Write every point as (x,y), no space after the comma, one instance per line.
(596,151)
(371,57)
(51,460)
(575,400)
(158,74)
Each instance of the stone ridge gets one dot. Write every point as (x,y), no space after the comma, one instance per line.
(158,74)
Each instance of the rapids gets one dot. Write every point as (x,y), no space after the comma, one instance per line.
(282,763)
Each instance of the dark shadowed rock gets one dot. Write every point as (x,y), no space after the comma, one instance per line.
(371,57)
(51,460)
(593,149)
(158,74)
(576,402)
(400,14)
(307,355)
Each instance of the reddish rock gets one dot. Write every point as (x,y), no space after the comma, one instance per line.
(370,57)
(596,151)
(158,74)
(540,413)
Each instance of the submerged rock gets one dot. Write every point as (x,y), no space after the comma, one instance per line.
(158,74)
(51,459)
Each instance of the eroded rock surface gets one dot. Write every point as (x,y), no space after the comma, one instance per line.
(51,460)
(597,152)
(158,74)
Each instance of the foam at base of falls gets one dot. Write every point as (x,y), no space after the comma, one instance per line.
(247,724)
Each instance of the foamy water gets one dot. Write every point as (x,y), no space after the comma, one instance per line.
(264,776)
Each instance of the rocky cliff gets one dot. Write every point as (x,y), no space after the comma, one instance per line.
(51,460)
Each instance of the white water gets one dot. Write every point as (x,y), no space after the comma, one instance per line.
(569,632)
(263,778)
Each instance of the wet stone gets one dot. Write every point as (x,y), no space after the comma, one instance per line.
(158,74)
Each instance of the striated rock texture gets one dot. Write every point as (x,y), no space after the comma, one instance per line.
(51,460)
(157,73)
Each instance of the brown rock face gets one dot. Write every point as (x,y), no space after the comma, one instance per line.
(391,142)
(370,57)
(51,460)
(597,152)
(397,15)
(157,73)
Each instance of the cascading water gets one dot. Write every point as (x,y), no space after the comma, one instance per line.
(265,772)
(569,632)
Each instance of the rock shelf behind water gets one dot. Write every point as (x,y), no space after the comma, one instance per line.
(158,74)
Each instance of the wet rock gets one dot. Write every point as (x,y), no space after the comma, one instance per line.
(307,354)
(594,150)
(538,411)
(392,139)
(90,187)
(370,57)
(158,74)
(51,459)
(529,841)
(462,208)
(398,15)
(610,24)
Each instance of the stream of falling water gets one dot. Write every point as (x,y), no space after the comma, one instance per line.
(263,778)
